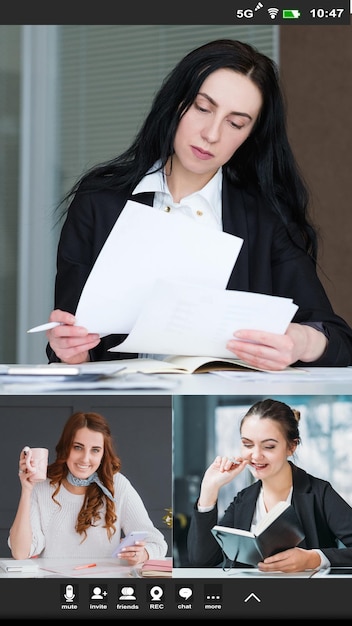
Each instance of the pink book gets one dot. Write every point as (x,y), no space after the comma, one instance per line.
(158,564)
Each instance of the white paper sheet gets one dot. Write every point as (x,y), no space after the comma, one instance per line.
(193,320)
(146,244)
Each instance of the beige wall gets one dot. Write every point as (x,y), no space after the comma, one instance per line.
(316,69)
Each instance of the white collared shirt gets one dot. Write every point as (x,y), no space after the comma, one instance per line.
(203,205)
(260,510)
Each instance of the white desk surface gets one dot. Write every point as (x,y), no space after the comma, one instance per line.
(107,568)
(318,381)
(64,568)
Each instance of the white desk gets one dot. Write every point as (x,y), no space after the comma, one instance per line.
(107,568)
(64,568)
(317,381)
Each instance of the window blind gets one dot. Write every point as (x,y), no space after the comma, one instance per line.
(109,75)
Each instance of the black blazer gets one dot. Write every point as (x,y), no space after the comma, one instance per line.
(324,515)
(269,262)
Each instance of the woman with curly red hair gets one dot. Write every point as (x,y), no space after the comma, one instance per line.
(84,504)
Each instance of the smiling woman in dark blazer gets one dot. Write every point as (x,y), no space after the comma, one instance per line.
(214,147)
(269,434)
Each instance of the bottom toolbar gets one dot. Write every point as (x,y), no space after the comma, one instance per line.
(176,599)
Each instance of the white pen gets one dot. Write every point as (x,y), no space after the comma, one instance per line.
(47,326)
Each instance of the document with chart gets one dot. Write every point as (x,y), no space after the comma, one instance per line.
(189,319)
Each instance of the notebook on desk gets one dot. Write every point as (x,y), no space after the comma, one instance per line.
(20,566)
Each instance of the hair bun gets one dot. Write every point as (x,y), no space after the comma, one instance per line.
(297,414)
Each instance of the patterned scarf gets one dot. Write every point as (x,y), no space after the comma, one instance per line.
(84,482)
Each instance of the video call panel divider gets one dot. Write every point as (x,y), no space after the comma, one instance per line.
(142,432)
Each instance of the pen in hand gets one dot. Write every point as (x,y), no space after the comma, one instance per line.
(47,326)
(85,566)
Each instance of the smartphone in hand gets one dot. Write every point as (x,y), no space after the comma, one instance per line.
(130,540)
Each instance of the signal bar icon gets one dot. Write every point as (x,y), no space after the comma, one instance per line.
(258,6)
(273,12)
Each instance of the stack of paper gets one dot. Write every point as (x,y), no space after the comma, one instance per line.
(106,375)
(168,292)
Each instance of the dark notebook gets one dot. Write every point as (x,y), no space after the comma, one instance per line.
(280,529)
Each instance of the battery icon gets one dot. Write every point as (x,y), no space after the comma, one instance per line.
(291,14)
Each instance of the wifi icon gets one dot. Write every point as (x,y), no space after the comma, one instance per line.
(273,12)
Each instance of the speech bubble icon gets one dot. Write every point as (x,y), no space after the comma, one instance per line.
(185,593)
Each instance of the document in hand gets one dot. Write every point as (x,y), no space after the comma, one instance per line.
(146,244)
(191,319)
(279,530)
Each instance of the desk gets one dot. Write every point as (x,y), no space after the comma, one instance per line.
(236,572)
(316,381)
(64,568)
(107,568)
(249,573)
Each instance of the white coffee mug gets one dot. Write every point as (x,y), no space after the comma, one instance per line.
(37,462)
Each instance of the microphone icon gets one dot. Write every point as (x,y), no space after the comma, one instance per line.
(69,594)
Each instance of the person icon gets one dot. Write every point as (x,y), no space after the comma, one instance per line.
(96,595)
(127,593)
(156,593)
